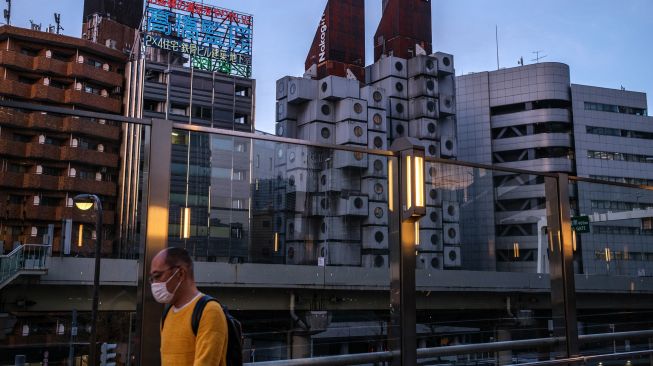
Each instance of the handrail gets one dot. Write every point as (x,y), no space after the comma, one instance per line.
(463,349)
(23,257)
(585,359)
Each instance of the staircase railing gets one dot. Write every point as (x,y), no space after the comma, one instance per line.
(25,258)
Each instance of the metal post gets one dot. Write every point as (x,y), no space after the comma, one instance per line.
(563,288)
(73,334)
(156,174)
(96,280)
(402,331)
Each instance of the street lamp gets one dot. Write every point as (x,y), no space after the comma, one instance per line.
(85,202)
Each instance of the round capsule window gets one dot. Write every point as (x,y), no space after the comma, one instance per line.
(399,66)
(358,131)
(453,255)
(399,108)
(358,202)
(293,88)
(325,132)
(429,65)
(323,228)
(378,165)
(451,210)
(378,188)
(400,129)
(432,150)
(434,239)
(449,144)
(430,106)
(378,236)
(280,153)
(377,119)
(447,103)
(379,261)
(399,86)
(431,127)
(323,179)
(324,86)
(358,155)
(324,203)
(446,61)
(451,233)
(432,172)
(433,216)
(435,262)
(291,157)
(358,108)
(326,110)
(378,212)
(433,193)
(291,181)
(280,131)
(377,96)
(430,85)
(378,142)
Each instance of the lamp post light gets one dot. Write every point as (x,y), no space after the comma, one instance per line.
(85,202)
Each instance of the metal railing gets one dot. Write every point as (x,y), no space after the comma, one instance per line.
(28,257)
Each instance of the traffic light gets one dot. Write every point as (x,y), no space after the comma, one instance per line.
(108,354)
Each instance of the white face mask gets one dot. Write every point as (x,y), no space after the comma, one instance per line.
(160,290)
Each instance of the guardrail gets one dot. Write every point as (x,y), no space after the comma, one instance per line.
(28,257)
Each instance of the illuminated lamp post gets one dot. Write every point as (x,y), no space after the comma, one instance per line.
(85,202)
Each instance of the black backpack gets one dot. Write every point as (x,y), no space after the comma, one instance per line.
(234,329)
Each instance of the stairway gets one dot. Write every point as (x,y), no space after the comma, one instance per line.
(28,259)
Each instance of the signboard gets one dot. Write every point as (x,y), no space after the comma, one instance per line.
(580,224)
(213,39)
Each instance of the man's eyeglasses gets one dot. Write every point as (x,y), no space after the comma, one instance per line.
(158,275)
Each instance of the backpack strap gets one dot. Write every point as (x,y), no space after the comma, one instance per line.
(198,310)
(166,310)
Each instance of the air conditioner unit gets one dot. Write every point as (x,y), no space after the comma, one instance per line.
(451,233)
(347,159)
(452,257)
(448,147)
(423,128)
(374,261)
(398,128)
(104,93)
(48,54)
(78,86)
(301,228)
(72,172)
(338,228)
(37,200)
(377,140)
(353,206)
(386,67)
(446,105)
(287,128)
(351,109)
(337,180)
(430,240)
(41,139)
(450,211)
(301,90)
(100,148)
(429,261)
(105,67)
(447,85)
(319,132)
(433,195)
(320,205)
(301,180)
(300,253)
(340,254)
(39,169)
(80,59)
(422,65)
(351,132)
(46,81)
(375,96)
(445,63)
(423,86)
(377,214)
(375,188)
(431,149)
(432,219)
(336,88)
(394,87)
(423,107)
(376,120)
(316,111)
(286,111)
(398,108)
(98,176)
(377,167)
(375,237)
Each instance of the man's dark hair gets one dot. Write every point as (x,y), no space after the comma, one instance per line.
(179,257)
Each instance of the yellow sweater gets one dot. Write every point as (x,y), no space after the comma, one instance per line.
(179,347)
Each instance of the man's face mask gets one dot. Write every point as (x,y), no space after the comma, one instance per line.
(160,290)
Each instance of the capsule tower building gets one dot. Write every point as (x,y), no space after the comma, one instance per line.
(332,206)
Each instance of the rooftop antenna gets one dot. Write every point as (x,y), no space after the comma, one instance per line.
(57,19)
(7,12)
(537,56)
(520,61)
(496,35)
(34,26)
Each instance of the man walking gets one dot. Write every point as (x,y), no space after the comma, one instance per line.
(173,283)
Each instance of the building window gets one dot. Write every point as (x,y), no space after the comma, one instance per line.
(605,131)
(178,109)
(602,107)
(239,175)
(202,112)
(237,204)
(240,119)
(606,155)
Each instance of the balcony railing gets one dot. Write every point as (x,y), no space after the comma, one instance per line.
(29,258)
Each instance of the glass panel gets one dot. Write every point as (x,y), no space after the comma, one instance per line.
(615,253)
(482,266)
(266,215)
(48,246)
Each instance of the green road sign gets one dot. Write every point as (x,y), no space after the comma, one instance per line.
(580,224)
